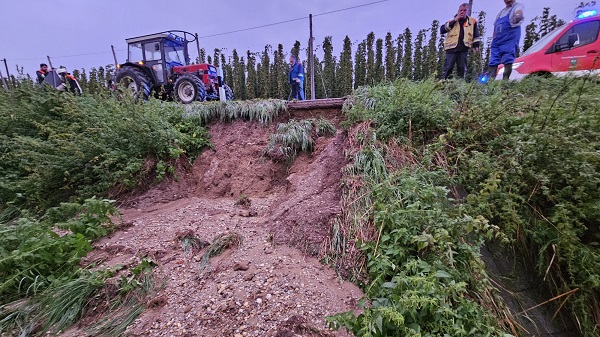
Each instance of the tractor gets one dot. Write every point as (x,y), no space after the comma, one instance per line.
(159,65)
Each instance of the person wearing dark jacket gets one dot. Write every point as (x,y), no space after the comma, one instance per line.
(296,79)
(41,74)
(463,35)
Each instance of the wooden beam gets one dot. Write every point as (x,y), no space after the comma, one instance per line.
(327,103)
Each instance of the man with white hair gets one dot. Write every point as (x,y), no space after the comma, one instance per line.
(463,34)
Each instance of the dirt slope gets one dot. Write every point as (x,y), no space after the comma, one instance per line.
(271,285)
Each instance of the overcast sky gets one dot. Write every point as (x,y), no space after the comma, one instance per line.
(32,29)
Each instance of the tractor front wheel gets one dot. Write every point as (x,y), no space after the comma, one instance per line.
(134,81)
(189,88)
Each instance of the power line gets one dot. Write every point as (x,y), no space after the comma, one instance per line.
(353,7)
(64,56)
(225,33)
(292,20)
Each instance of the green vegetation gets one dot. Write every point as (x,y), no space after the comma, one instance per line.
(527,155)
(297,136)
(56,147)
(218,246)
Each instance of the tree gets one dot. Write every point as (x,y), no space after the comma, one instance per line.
(441,57)
(360,62)
(251,82)
(545,24)
(531,35)
(329,65)
(390,58)
(296,50)
(216,57)
(264,77)
(202,56)
(280,74)
(227,70)
(344,75)
(475,63)
(239,76)
(379,70)
(93,81)
(407,60)
(369,44)
(418,57)
(432,56)
(399,56)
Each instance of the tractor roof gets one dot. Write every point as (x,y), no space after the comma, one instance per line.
(162,35)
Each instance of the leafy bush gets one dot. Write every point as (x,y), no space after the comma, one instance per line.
(55,147)
(411,111)
(527,155)
(33,256)
(535,171)
(425,275)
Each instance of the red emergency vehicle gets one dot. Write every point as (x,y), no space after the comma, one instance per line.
(572,49)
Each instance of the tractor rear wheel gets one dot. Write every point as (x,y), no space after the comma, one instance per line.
(228,92)
(189,88)
(133,81)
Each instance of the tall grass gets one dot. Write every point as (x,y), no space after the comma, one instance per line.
(262,111)
(294,137)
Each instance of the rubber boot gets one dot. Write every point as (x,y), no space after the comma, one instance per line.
(507,71)
(492,72)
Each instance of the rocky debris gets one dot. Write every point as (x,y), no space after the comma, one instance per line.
(264,286)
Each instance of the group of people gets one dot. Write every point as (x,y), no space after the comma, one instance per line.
(463,35)
(64,82)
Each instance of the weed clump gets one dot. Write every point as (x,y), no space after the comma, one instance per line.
(296,136)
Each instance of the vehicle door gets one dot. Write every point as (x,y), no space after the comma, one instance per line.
(578,48)
(153,57)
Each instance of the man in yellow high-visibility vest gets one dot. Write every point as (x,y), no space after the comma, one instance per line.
(463,35)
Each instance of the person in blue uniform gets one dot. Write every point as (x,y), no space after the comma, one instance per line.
(505,41)
(296,79)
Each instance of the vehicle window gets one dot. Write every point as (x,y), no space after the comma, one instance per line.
(587,32)
(174,52)
(541,43)
(152,51)
(135,52)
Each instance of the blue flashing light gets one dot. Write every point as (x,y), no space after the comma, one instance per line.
(484,78)
(587,14)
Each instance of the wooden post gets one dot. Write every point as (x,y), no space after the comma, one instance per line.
(7,72)
(311,60)
(4,83)
(114,55)
(197,47)
(50,63)
(470,8)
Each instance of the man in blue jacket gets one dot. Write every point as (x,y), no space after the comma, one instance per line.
(296,79)
(505,42)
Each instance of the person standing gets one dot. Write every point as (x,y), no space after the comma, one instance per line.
(296,79)
(505,41)
(463,34)
(41,73)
